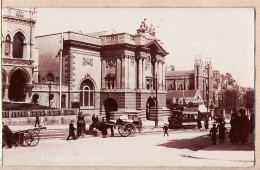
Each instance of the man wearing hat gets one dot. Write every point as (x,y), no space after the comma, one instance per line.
(37,120)
(71,131)
(243,126)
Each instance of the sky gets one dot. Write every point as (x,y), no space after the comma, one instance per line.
(225,35)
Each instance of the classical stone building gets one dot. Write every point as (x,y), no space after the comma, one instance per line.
(102,73)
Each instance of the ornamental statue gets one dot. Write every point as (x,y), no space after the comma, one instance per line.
(152,30)
(144,28)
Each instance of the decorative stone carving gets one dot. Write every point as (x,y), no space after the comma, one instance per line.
(87,76)
(132,59)
(17,61)
(87,61)
(110,63)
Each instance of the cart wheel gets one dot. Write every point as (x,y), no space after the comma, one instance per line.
(25,139)
(35,138)
(124,131)
(132,128)
(128,129)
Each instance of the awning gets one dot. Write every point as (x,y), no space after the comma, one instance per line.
(202,108)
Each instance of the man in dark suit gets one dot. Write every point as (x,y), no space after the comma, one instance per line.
(37,120)
(8,135)
(71,131)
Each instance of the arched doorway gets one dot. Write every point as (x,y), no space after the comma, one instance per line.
(150,106)
(17,90)
(110,105)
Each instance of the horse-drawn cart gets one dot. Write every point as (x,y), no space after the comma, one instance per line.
(125,126)
(28,137)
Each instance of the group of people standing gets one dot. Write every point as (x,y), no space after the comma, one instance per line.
(241,126)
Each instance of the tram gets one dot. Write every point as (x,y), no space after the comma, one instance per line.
(184,118)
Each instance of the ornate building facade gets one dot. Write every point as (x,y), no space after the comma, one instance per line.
(102,72)
(19,55)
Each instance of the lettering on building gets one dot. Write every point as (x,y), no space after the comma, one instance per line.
(20,14)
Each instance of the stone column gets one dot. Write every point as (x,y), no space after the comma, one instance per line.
(140,73)
(103,73)
(163,76)
(144,78)
(118,72)
(159,74)
(156,71)
(11,50)
(5,91)
(123,73)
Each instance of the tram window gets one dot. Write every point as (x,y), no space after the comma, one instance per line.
(192,116)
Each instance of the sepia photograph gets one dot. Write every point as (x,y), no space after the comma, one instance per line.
(128,87)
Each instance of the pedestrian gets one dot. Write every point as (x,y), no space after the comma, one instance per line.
(93,118)
(112,130)
(243,126)
(71,131)
(199,123)
(213,132)
(206,124)
(252,123)
(96,119)
(234,131)
(7,133)
(104,128)
(222,132)
(165,128)
(42,121)
(37,121)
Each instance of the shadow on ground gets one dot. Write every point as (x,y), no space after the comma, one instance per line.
(203,142)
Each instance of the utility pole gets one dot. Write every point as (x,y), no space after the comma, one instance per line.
(61,48)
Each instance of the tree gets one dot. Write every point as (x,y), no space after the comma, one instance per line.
(231,100)
(249,99)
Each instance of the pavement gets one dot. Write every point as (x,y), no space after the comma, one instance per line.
(184,147)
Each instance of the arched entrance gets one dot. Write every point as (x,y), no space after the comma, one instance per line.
(110,105)
(17,90)
(150,107)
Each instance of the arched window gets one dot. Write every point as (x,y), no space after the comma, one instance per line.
(18,45)
(87,93)
(35,98)
(63,101)
(7,45)
(50,78)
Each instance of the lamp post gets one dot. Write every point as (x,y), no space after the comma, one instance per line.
(61,48)
(156,103)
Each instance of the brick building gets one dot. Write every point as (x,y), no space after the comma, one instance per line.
(200,79)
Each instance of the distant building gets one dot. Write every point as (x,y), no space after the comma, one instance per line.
(201,79)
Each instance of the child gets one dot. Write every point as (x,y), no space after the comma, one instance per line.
(222,132)
(214,132)
(206,124)
(165,128)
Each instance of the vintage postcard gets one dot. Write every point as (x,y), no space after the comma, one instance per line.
(128,87)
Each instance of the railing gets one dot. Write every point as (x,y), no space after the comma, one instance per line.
(33,113)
